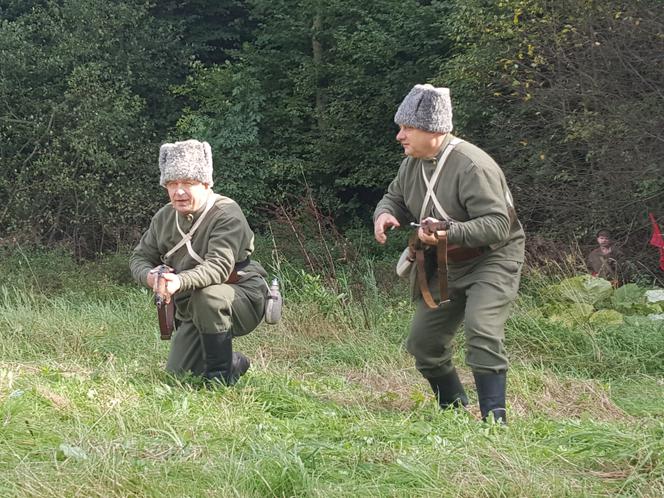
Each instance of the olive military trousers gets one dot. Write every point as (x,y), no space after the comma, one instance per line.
(234,309)
(481,298)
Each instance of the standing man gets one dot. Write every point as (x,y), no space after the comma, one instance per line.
(447,179)
(205,241)
(603,261)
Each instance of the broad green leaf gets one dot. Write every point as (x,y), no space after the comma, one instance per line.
(583,289)
(628,296)
(655,295)
(572,314)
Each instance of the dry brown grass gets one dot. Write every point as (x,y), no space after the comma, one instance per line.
(568,399)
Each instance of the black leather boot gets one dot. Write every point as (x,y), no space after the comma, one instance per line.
(221,364)
(491,395)
(239,365)
(218,351)
(449,390)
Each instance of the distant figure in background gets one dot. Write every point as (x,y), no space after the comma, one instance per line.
(604,261)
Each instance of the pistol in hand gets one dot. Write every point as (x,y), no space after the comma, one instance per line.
(431,225)
(161,297)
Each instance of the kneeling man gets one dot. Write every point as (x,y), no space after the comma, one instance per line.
(205,243)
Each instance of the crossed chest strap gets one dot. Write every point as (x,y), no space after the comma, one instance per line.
(234,276)
(416,245)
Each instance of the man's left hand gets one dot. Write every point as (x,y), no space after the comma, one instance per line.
(173,284)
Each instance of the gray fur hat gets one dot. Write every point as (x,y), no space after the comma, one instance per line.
(427,108)
(190,159)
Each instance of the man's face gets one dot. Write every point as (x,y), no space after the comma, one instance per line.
(603,240)
(419,143)
(187,196)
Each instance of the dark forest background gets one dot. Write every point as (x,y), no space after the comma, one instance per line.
(297,99)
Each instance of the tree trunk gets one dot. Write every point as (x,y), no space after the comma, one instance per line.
(317,50)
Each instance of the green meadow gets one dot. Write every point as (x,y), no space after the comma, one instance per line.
(332,405)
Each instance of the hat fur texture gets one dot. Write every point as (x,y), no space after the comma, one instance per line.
(427,108)
(188,160)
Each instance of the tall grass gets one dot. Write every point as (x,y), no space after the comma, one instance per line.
(332,405)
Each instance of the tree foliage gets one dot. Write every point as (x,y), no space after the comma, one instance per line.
(573,107)
(298,96)
(83,105)
(213,29)
(322,80)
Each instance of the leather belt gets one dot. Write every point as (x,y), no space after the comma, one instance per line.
(458,254)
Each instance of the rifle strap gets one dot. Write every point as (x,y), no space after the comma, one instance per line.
(441,255)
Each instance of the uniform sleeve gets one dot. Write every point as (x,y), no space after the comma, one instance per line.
(393,201)
(145,255)
(229,237)
(482,194)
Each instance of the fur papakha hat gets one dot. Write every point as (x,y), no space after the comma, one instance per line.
(427,108)
(190,159)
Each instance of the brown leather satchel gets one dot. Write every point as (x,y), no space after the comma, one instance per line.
(166,315)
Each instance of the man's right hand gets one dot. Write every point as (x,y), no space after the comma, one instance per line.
(158,287)
(382,223)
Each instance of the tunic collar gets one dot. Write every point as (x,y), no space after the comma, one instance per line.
(434,160)
(186,220)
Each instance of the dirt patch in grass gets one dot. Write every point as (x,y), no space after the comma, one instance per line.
(400,390)
(569,398)
(295,334)
(58,401)
(406,390)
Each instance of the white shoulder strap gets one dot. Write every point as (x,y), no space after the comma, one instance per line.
(186,238)
(431,183)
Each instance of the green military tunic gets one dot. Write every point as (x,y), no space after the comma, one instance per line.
(473,192)
(205,303)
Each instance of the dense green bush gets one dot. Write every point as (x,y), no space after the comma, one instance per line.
(85,105)
(297,99)
(566,96)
